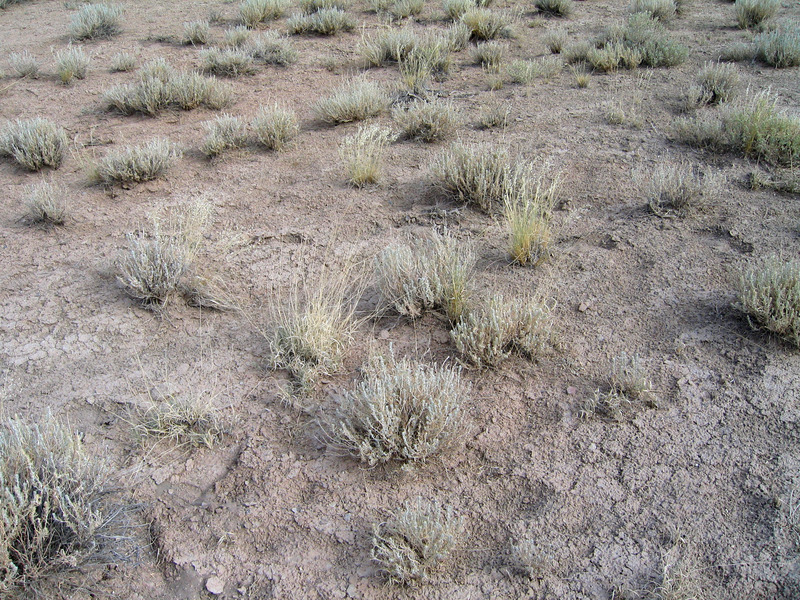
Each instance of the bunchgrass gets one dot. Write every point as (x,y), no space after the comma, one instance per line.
(46,204)
(429,274)
(308,7)
(752,13)
(355,100)
(272,48)
(226,62)
(416,541)
(362,154)
(226,132)
(254,12)
(389,45)
(487,336)
(96,21)
(676,189)
(24,64)
(780,48)
(555,40)
(769,294)
(134,164)
(191,90)
(526,71)
(485,24)
(455,9)
(402,411)
(59,508)
(196,33)
(427,121)
(236,37)
(122,62)
(489,55)
(403,9)
(187,419)
(430,58)
(715,83)
(34,143)
(555,8)
(661,10)
(275,127)
(528,221)
(326,21)
(71,63)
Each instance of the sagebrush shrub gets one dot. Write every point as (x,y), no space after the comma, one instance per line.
(779,48)
(224,133)
(272,48)
(46,204)
(414,542)
(24,63)
(134,164)
(34,143)
(254,12)
(58,508)
(489,55)
(402,9)
(362,153)
(71,63)
(555,8)
(429,58)
(311,6)
(751,13)
(227,62)
(191,90)
(555,40)
(187,419)
(769,293)
(122,62)
(94,21)
(486,24)
(676,189)
(355,100)
(429,274)
(326,21)
(662,10)
(759,128)
(196,33)
(525,71)
(390,45)
(236,37)
(455,9)
(427,121)
(401,411)
(275,128)
(715,83)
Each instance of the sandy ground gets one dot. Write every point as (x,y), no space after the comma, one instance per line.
(704,480)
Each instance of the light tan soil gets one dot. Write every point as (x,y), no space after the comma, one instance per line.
(274,513)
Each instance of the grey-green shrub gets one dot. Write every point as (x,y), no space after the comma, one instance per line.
(662,10)
(355,100)
(46,204)
(769,293)
(715,83)
(196,33)
(750,13)
(525,71)
(122,62)
(362,154)
(254,12)
(555,8)
(71,63)
(780,48)
(455,9)
(134,164)
(236,37)
(272,48)
(486,24)
(191,90)
(675,189)
(428,59)
(427,121)
(25,64)
(326,21)
(308,7)
(224,133)
(402,9)
(555,40)
(227,62)
(489,55)
(275,128)
(389,45)
(34,143)
(94,21)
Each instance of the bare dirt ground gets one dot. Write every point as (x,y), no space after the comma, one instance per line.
(706,478)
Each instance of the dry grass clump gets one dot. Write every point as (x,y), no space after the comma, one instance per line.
(401,411)
(629,386)
(612,56)
(389,45)
(526,71)
(769,293)
(71,63)
(506,326)
(272,48)
(485,24)
(226,132)
(555,8)
(642,40)
(275,128)
(187,419)
(355,100)
(489,55)
(429,59)
(455,9)
(122,62)
(96,21)
(403,9)
(308,7)
(432,274)
(24,63)
(134,164)
(227,62)
(46,204)
(481,175)
(715,83)
(58,513)
(362,153)
(326,21)
(196,33)
(779,48)
(528,221)
(236,37)
(427,121)
(254,12)
(34,143)
(677,189)
(413,543)
(191,90)
(752,13)
(662,10)
(555,40)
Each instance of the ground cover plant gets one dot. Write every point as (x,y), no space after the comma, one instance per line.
(134,164)
(362,154)
(275,127)
(94,21)
(427,121)
(71,63)
(24,63)
(354,100)
(46,204)
(34,143)
(769,293)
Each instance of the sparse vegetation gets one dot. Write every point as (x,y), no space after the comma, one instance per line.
(96,21)
(489,55)
(629,386)
(430,58)
(677,189)
(751,13)
(196,33)
(427,121)
(187,419)
(254,12)
(122,62)
(34,143)
(273,49)
(528,221)
(661,10)
(769,293)
(227,62)
(46,204)
(411,545)
(403,9)
(71,63)
(355,100)
(275,128)
(555,8)
(715,83)
(486,24)
(401,411)
(135,164)
(505,326)
(555,40)
(779,48)
(526,71)
(389,45)
(429,274)
(226,132)
(362,153)
(191,90)
(642,40)
(25,64)
(326,21)
(58,509)
(236,37)
(495,115)
(455,9)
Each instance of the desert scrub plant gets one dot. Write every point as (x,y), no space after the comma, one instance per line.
(71,63)
(427,121)
(414,542)
(525,71)
(613,55)
(227,62)
(355,100)
(495,115)
(149,95)
(429,59)
(122,62)
(362,154)
(25,64)
(769,294)
(715,83)
(528,221)
(455,9)
(555,40)
(308,7)
(757,127)
(190,90)
(389,45)
(629,387)
(58,511)
(641,37)
(254,12)
(752,13)
(134,164)
(481,175)
(554,8)
(402,411)
(429,274)
(46,204)
(505,326)
(226,132)
(779,48)
(236,37)
(489,55)
(677,189)
(458,36)
(34,143)
(661,10)
(188,419)
(196,33)
(485,24)
(272,48)
(95,21)
(326,21)
(276,127)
